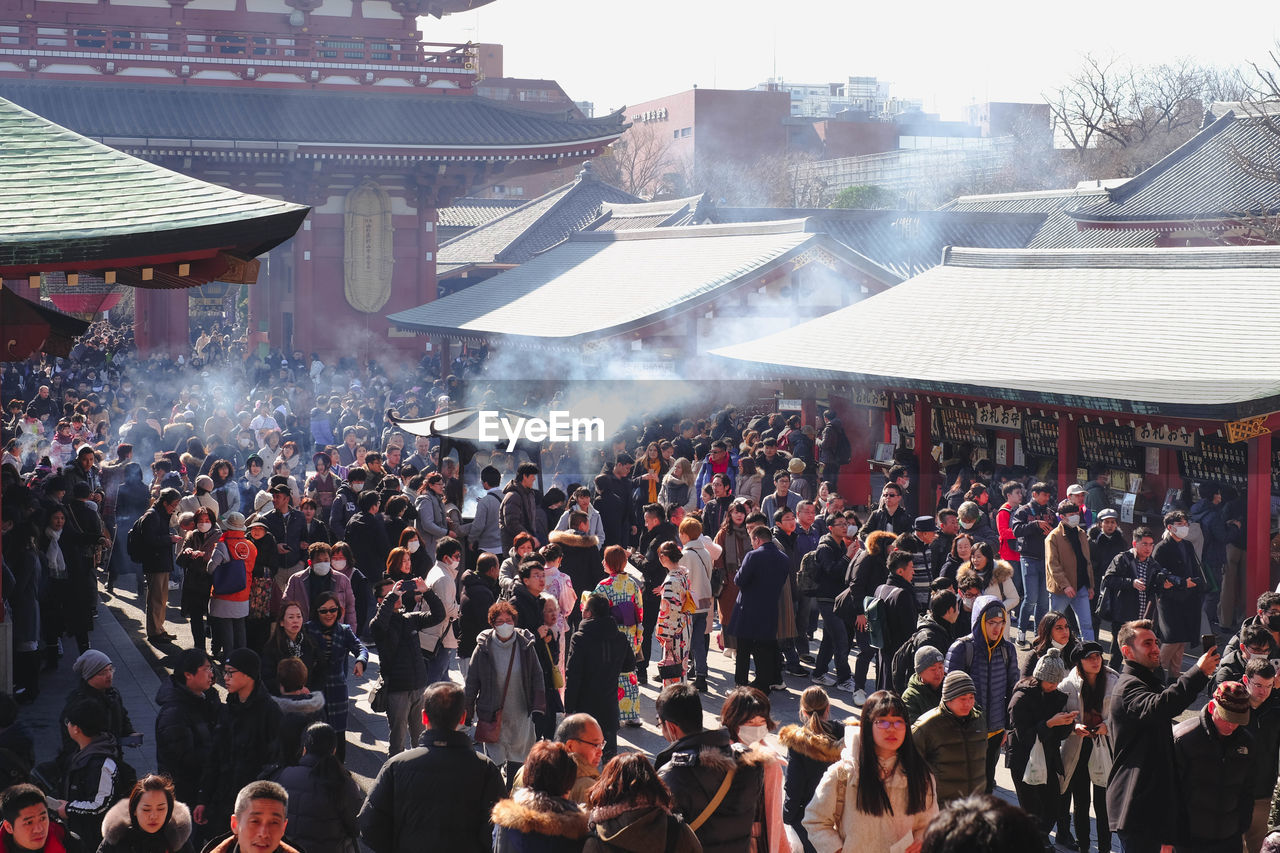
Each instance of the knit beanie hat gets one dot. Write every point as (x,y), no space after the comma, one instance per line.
(90,664)
(957,684)
(247,662)
(1231,703)
(927,656)
(1050,667)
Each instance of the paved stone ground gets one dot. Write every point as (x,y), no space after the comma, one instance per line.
(140,667)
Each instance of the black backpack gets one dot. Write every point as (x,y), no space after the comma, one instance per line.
(844,450)
(134,544)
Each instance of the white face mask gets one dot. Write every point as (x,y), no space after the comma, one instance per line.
(1073,520)
(357,487)
(204,527)
(413,546)
(967,524)
(1182,531)
(339,563)
(505,631)
(320,568)
(752,734)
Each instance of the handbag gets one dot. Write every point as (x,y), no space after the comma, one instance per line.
(1037,771)
(490,731)
(378,696)
(1107,604)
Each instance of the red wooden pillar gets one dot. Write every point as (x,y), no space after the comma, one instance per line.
(1068,453)
(179,312)
(143,321)
(928,478)
(1258,523)
(260,302)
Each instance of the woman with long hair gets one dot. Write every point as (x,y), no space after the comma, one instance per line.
(961,551)
(289,454)
(322,485)
(750,482)
(323,798)
(420,562)
(995,577)
(1053,632)
(735,543)
(812,746)
(225,489)
(288,639)
(747,716)
(269,452)
(650,469)
(1038,719)
(627,606)
(631,809)
(677,484)
(869,569)
(149,820)
(888,790)
(1087,752)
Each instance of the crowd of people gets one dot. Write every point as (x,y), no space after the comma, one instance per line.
(513,601)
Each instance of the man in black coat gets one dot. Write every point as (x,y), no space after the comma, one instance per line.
(286,526)
(1216,765)
(1142,790)
(657,529)
(519,509)
(1178,591)
(157,559)
(613,500)
(346,503)
(243,742)
(598,653)
(188,715)
(367,536)
(442,791)
(900,614)
(400,664)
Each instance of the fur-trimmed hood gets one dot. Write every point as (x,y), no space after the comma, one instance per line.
(636,827)
(117,823)
(823,747)
(573,539)
(1002,572)
(535,813)
(306,705)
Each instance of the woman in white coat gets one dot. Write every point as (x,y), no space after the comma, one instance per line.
(889,794)
(1086,754)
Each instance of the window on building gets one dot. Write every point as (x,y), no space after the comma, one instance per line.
(686,132)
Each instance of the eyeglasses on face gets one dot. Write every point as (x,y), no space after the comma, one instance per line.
(590,743)
(325,611)
(885,725)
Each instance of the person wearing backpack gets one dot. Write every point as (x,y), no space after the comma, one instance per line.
(935,628)
(822,575)
(835,449)
(231,568)
(151,544)
(95,778)
(992,662)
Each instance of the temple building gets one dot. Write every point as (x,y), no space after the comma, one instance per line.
(334,104)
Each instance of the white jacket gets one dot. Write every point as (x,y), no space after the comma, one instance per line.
(1101,758)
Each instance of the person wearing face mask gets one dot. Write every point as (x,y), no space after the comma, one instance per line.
(318,577)
(400,664)
(1178,590)
(419,558)
(505,680)
(197,583)
(335,642)
(439,642)
(1069,570)
(251,483)
(346,502)
(975,523)
(746,716)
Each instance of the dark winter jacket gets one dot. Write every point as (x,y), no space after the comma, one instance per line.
(993,667)
(638,828)
(881,519)
(1103,549)
(243,742)
(342,511)
(478,595)
(1216,782)
(695,766)
(900,611)
(647,552)
(90,769)
(920,698)
(597,653)
(1264,725)
(297,712)
(119,835)
(1177,608)
(809,754)
(400,663)
(1026,528)
(1213,524)
(581,558)
(322,818)
(117,722)
(955,748)
(869,571)
(443,791)
(1119,577)
(1143,789)
(1029,713)
(277,648)
(760,580)
(370,545)
(534,822)
(184,734)
(832,563)
(517,513)
(484,693)
(157,549)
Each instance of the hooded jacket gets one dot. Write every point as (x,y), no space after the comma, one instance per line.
(832,559)
(638,827)
(321,820)
(695,766)
(184,734)
(534,822)
(483,530)
(517,513)
(581,560)
(809,754)
(1216,779)
(120,836)
(89,787)
(992,666)
(344,507)
(598,652)
(478,594)
(1100,759)
(955,748)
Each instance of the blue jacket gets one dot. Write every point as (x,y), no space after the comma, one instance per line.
(994,669)
(760,580)
(1213,523)
(705,474)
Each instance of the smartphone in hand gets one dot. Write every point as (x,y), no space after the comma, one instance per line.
(1208,641)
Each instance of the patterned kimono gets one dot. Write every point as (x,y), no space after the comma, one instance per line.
(560,586)
(674,625)
(624,595)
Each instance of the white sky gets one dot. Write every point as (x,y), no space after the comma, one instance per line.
(948,53)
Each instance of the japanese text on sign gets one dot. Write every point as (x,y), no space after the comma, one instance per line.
(1163,435)
(998,417)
